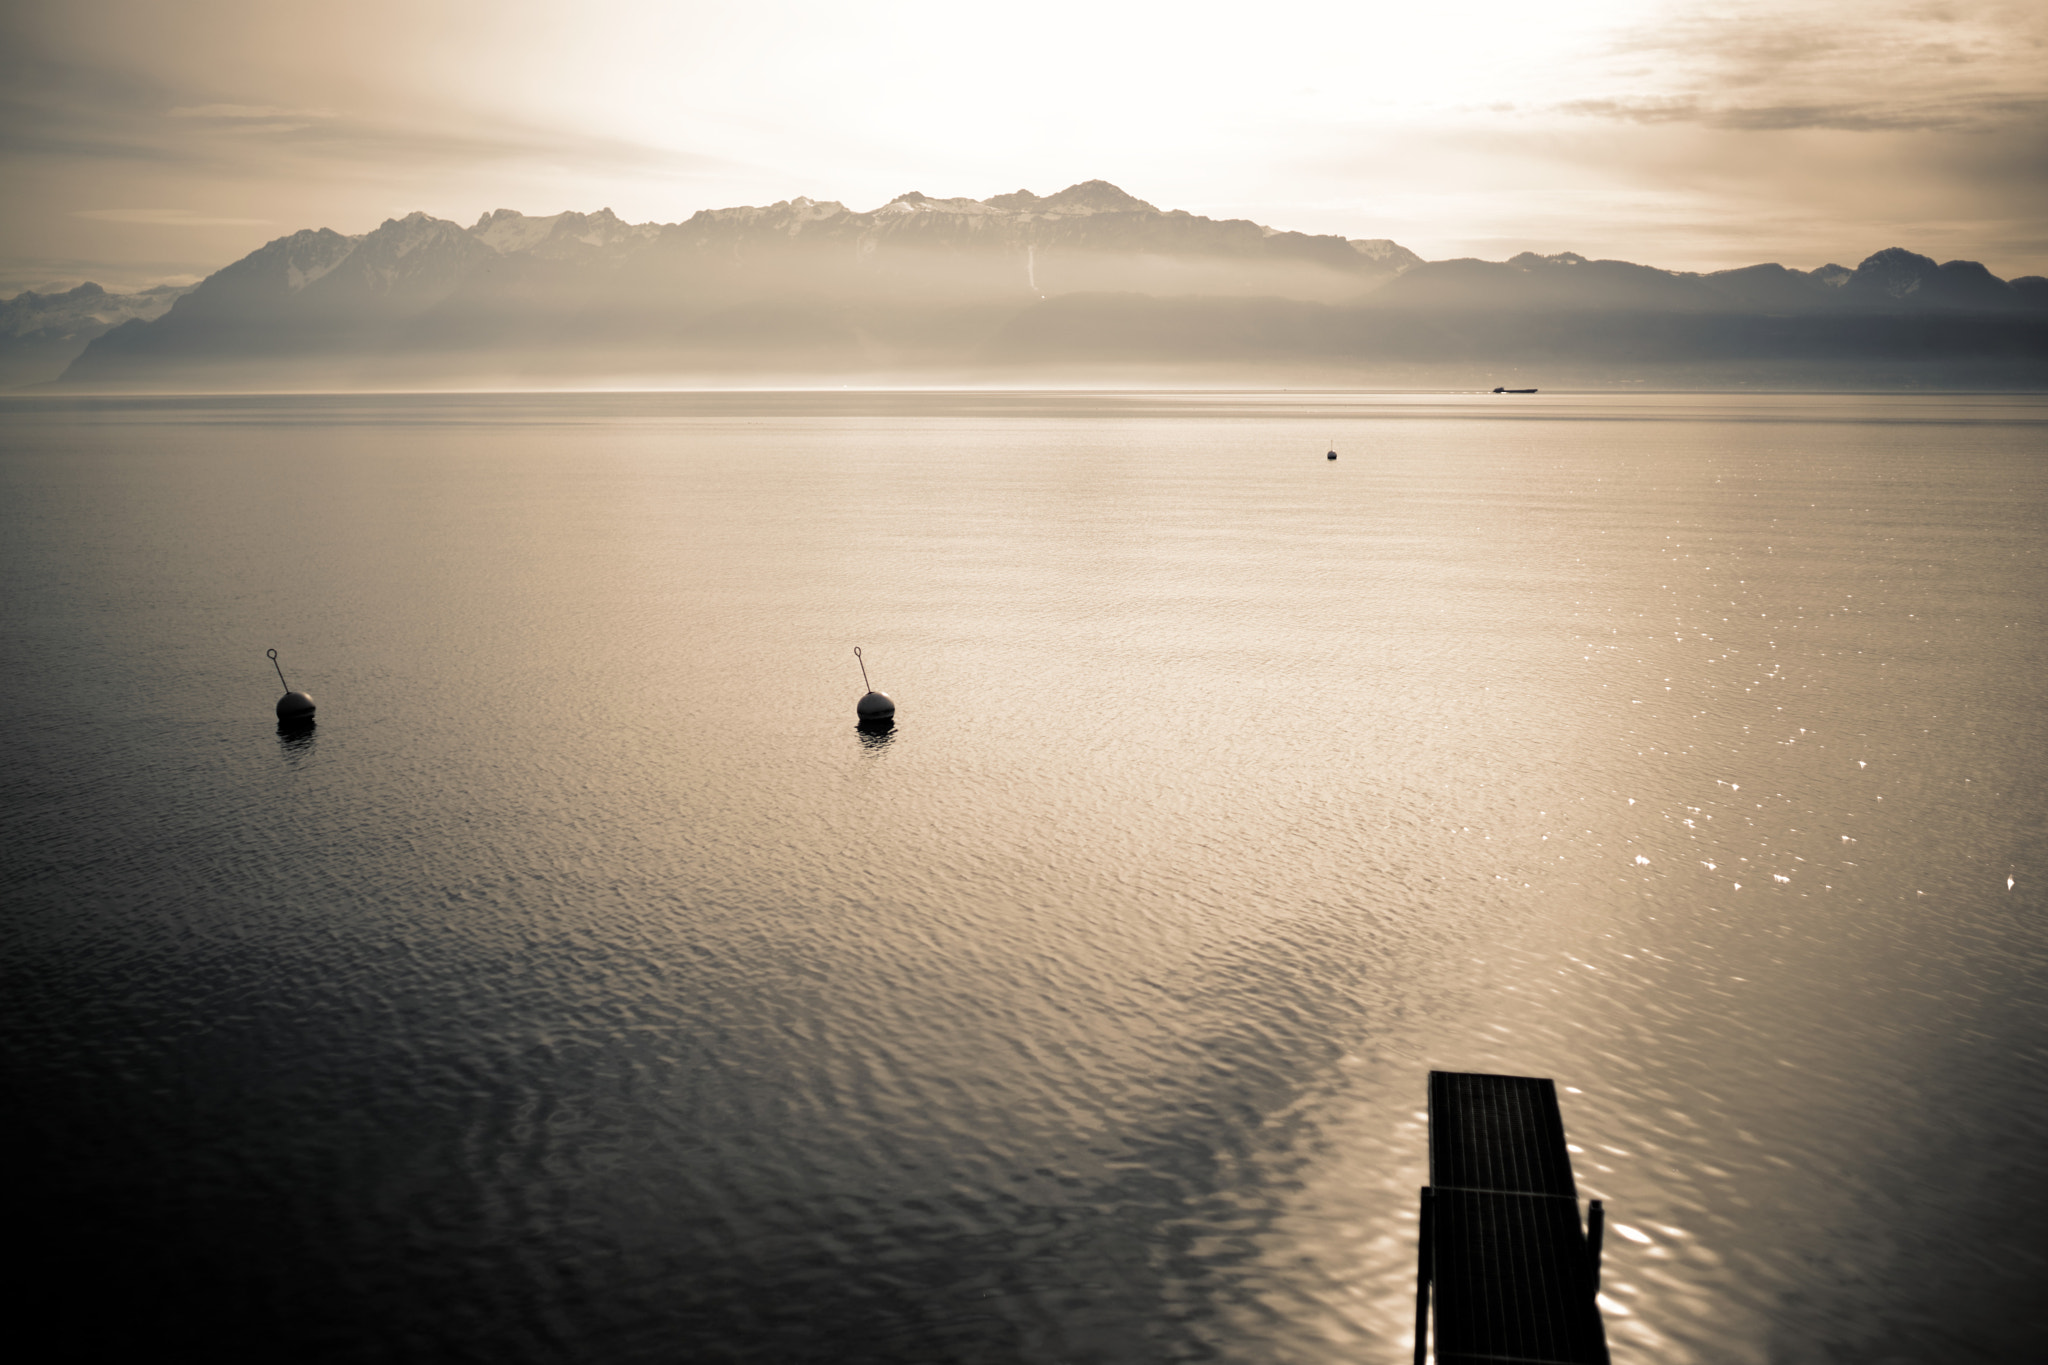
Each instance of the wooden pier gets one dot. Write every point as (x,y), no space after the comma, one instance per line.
(1502,1253)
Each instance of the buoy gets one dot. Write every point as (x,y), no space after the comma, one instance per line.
(292,705)
(875,706)
(1333,449)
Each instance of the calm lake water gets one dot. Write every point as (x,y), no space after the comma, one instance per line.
(586,987)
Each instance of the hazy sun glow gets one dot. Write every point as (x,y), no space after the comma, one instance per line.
(179,136)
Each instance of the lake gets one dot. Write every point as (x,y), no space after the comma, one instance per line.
(585,986)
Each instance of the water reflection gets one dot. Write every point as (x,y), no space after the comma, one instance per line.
(295,738)
(1092,1030)
(876,734)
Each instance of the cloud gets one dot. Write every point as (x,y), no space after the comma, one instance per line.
(247,111)
(1670,110)
(1867,66)
(70,123)
(266,93)
(1975,114)
(1960,114)
(165,218)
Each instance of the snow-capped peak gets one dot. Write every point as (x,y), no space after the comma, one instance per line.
(508,230)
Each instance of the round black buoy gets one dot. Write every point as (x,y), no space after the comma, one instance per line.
(292,705)
(875,706)
(1333,449)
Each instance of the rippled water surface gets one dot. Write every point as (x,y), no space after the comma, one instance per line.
(585,987)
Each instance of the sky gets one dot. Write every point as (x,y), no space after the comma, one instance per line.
(143,141)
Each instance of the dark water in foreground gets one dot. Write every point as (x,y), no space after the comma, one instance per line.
(586,988)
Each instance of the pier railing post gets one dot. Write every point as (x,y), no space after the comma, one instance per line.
(1422,1278)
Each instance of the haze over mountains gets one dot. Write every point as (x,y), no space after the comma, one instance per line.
(1087,285)
(42,333)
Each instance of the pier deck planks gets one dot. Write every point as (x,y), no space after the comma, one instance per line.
(1512,1274)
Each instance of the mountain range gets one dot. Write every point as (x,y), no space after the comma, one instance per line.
(1087,284)
(42,333)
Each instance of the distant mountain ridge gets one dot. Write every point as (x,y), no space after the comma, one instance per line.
(42,333)
(922,284)
(1889,281)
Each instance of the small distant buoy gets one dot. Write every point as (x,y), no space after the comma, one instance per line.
(1333,449)
(875,706)
(292,705)
(1332,455)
